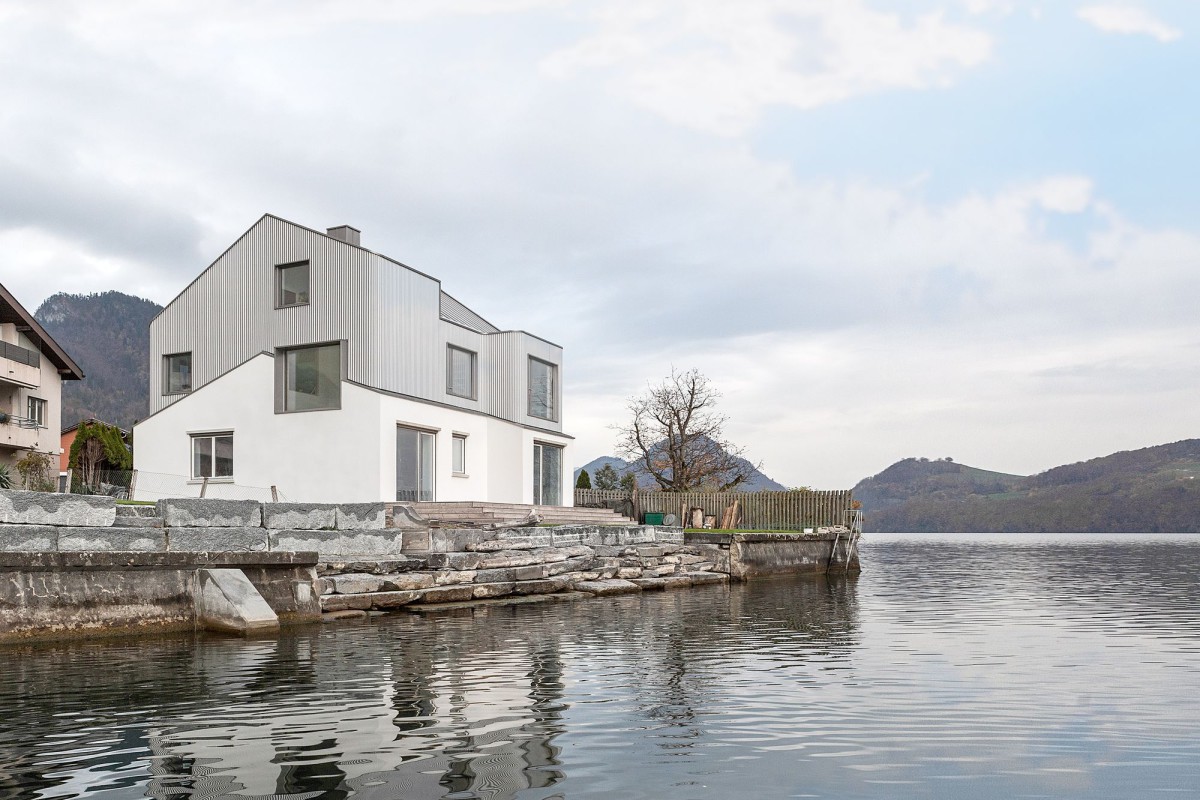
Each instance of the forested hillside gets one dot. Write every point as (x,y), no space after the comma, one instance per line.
(108,336)
(1151,490)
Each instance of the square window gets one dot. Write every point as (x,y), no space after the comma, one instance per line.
(460,454)
(177,373)
(543,379)
(37,411)
(312,378)
(212,455)
(460,372)
(291,281)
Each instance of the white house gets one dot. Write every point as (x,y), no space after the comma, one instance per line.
(32,369)
(302,360)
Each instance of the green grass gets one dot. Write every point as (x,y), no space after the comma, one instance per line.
(135,502)
(739,530)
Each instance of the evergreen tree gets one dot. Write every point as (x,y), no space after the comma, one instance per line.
(607,478)
(584,481)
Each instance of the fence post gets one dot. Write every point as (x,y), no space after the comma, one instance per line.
(132,484)
(274,494)
(204,487)
(70,477)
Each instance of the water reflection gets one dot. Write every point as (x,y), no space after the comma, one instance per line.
(986,667)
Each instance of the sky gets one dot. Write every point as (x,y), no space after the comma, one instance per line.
(881,229)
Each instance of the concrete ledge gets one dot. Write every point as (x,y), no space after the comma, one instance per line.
(44,508)
(235,539)
(301,516)
(197,513)
(338,544)
(226,600)
(50,562)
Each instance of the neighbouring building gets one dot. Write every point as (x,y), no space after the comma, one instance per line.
(32,369)
(302,360)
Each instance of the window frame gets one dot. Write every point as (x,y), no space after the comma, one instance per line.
(552,397)
(279,270)
(455,460)
(212,437)
(474,390)
(166,373)
(281,376)
(539,470)
(38,403)
(427,442)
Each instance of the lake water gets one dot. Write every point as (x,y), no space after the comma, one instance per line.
(982,666)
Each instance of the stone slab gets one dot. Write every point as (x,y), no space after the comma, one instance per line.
(604,588)
(188,512)
(141,540)
(19,507)
(339,544)
(365,517)
(455,560)
(705,578)
(407,581)
(457,540)
(383,600)
(356,583)
(485,590)
(406,519)
(547,586)
(336,616)
(345,602)
(226,600)
(28,539)
(246,540)
(137,522)
(300,516)
(447,594)
(415,541)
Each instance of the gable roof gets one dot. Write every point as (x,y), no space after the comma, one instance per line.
(14,312)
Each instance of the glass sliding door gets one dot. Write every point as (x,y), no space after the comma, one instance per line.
(414,465)
(547,475)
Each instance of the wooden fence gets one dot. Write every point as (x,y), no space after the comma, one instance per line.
(770,511)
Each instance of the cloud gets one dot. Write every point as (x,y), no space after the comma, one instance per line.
(1120,18)
(717,67)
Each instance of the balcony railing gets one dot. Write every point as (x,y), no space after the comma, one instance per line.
(20,354)
(20,422)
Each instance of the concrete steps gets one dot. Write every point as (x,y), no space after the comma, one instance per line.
(481,513)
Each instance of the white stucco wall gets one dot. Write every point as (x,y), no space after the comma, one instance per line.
(344,455)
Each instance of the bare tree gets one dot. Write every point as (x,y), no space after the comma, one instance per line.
(677,437)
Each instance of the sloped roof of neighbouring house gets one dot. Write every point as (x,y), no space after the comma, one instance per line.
(14,312)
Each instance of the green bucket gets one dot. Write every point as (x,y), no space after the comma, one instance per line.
(654,518)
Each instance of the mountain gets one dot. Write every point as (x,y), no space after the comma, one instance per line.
(757,482)
(1151,490)
(108,335)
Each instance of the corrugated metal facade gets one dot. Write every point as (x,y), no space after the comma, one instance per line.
(397,323)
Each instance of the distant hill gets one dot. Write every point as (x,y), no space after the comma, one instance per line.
(108,335)
(1151,490)
(757,482)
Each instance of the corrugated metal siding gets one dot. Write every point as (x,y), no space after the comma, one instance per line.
(454,311)
(391,317)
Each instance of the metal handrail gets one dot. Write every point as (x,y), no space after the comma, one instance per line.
(21,422)
(20,354)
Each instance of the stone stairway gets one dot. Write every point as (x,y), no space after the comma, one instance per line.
(477,513)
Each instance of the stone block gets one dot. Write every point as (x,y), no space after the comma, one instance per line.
(415,541)
(482,591)
(529,542)
(28,539)
(629,572)
(407,581)
(676,582)
(575,577)
(608,550)
(85,540)
(384,566)
(705,578)
(455,560)
(447,594)
(346,602)
(563,537)
(660,572)
(650,584)
(339,544)
(457,540)
(508,558)
(191,512)
(603,588)
(582,563)
(650,551)
(300,516)
(370,517)
(337,616)
(324,586)
(453,577)
(548,586)
(247,540)
(18,507)
(383,600)
(406,519)
(137,522)
(226,600)
(356,583)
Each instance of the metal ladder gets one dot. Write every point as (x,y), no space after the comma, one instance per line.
(854,523)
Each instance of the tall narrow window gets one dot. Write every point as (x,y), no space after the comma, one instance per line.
(459,452)
(291,285)
(37,411)
(460,372)
(414,465)
(177,373)
(312,378)
(212,455)
(543,380)
(547,475)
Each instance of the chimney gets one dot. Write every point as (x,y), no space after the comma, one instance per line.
(346,234)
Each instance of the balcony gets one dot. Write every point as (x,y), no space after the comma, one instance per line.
(20,366)
(21,432)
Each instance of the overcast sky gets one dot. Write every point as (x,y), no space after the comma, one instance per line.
(883,229)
